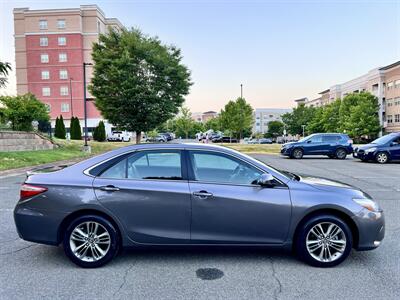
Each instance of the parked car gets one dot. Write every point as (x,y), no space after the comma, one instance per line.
(168,136)
(182,194)
(224,139)
(119,136)
(381,150)
(157,139)
(265,141)
(334,145)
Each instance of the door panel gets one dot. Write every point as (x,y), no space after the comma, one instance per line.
(239,214)
(151,211)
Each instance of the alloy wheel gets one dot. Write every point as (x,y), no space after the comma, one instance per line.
(341,154)
(381,158)
(90,241)
(326,242)
(297,153)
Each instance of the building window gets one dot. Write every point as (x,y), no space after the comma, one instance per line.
(64,91)
(63,74)
(44,41)
(45,75)
(62,57)
(48,107)
(61,24)
(42,24)
(44,58)
(397,118)
(62,41)
(390,119)
(397,84)
(389,103)
(390,85)
(64,107)
(46,91)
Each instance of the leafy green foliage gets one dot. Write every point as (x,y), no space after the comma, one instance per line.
(214,124)
(356,115)
(22,110)
(275,129)
(138,82)
(75,129)
(184,123)
(5,67)
(60,131)
(99,133)
(237,117)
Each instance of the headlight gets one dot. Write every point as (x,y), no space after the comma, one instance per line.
(369,204)
(373,149)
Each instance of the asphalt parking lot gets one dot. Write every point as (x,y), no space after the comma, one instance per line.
(39,271)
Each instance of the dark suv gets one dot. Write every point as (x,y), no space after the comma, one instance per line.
(334,145)
(381,150)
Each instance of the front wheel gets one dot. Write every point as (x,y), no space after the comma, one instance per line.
(381,157)
(91,241)
(297,153)
(324,241)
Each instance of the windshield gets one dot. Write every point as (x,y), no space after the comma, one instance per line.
(383,140)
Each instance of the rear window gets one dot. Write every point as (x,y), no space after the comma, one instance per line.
(331,138)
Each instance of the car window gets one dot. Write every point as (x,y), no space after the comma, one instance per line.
(155,165)
(147,165)
(220,168)
(330,138)
(116,171)
(316,139)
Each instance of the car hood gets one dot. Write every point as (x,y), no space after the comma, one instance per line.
(367,146)
(323,182)
(289,144)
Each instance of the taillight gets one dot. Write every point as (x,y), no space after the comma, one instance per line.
(28,191)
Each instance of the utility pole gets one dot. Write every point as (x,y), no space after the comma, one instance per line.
(70,92)
(86,147)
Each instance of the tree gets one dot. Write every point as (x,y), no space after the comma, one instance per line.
(275,129)
(331,116)
(214,124)
(360,115)
(237,117)
(138,82)
(5,67)
(99,133)
(59,131)
(316,123)
(184,123)
(294,120)
(75,129)
(22,110)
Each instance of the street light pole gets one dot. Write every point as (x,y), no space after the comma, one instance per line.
(241,90)
(70,92)
(303,128)
(86,147)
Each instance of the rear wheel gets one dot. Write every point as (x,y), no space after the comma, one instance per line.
(297,153)
(381,157)
(91,241)
(324,241)
(340,153)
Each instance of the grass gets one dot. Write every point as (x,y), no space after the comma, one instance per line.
(255,148)
(67,150)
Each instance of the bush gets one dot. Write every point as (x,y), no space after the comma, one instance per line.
(60,128)
(99,133)
(75,129)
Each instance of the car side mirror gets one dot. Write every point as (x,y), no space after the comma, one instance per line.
(266,180)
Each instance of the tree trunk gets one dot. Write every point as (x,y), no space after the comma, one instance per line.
(138,137)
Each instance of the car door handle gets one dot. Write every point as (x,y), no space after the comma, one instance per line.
(109,188)
(202,194)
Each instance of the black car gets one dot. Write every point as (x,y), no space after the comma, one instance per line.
(381,150)
(224,139)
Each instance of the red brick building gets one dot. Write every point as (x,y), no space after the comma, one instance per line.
(51,46)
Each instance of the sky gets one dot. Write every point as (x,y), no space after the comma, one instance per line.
(278,50)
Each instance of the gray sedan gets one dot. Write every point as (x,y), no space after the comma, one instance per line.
(193,194)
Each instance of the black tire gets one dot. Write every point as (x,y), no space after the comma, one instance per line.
(381,157)
(110,252)
(303,232)
(297,153)
(340,153)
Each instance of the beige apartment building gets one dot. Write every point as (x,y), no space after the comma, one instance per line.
(383,82)
(51,46)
